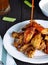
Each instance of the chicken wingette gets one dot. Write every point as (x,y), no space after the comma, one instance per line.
(29,52)
(28,34)
(34,24)
(46,49)
(42,45)
(45,31)
(36,41)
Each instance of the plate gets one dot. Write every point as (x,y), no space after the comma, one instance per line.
(39,57)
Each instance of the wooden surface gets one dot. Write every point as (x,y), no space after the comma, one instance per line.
(21,12)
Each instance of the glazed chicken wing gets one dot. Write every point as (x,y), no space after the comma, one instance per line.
(28,34)
(34,24)
(36,41)
(15,34)
(29,52)
(46,49)
(45,31)
(42,45)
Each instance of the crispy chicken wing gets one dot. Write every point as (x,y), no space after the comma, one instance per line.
(42,45)
(37,26)
(46,49)
(28,34)
(18,42)
(34,24)
(45,31)
(15,34)
(24,47)
(36,41)
(29,52)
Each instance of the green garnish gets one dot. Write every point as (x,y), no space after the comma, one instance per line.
(28,3)
(9,19)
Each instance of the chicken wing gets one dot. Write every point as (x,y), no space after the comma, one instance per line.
(15,34)
(36,41)
(29,52)
(42,45)
(34,24)
(24,47)
(46,49)
(28,34)
(45,31)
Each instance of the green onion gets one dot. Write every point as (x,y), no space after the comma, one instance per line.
(9,19)
(28,3)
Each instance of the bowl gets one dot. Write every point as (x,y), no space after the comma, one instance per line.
(43,4)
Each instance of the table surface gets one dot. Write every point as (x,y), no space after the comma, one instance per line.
(21,12)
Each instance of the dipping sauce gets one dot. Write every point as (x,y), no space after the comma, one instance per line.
(4,6)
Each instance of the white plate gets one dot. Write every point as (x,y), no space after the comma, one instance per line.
(39,57)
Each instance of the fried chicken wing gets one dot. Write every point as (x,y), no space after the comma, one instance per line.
(19,42)
(34,24)
(46,49)
(24,47)
(15,34)
(45,31)
(36,41)
(28,34)
(29,52)
(42,45)
(37,26)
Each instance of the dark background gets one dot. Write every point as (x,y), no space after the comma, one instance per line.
(21,12)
